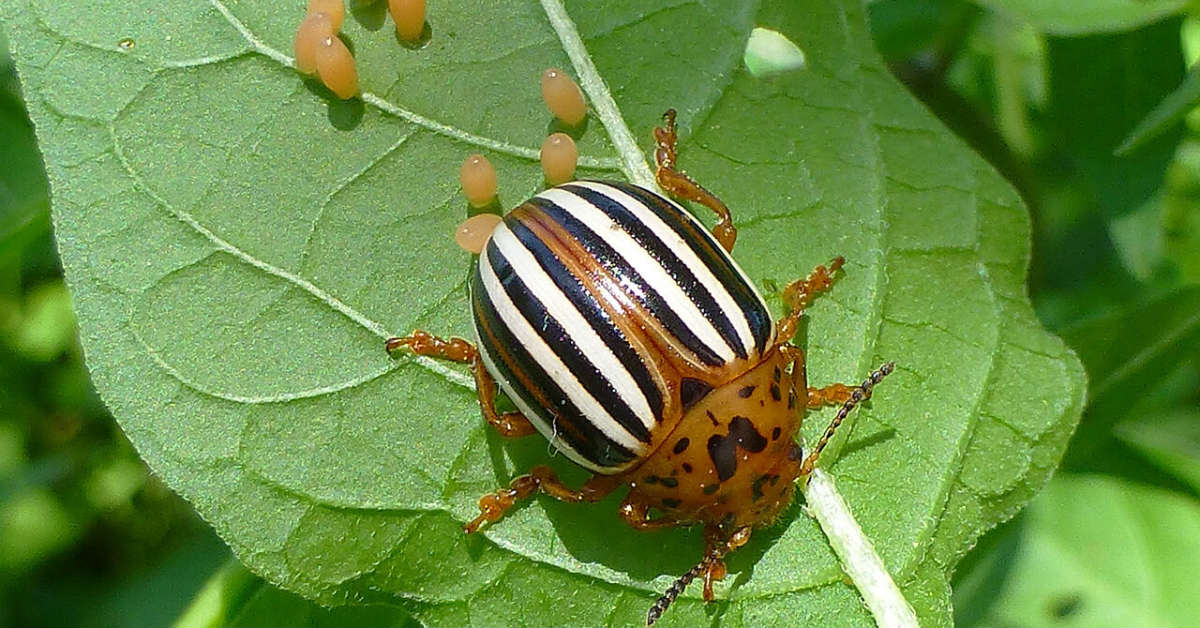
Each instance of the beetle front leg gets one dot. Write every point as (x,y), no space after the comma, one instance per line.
(678,184)
(798,294)
(540,479)
(858,394)
(509,424)
(831,395)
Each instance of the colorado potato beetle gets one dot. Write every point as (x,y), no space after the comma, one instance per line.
(624,333)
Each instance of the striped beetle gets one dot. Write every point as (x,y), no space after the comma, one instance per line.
(625,333)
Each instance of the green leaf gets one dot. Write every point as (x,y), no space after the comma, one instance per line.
(1167,114)
(1092,112)
(1167,330)
(237,244)
(1081,17)
(1171,439)
(1099,552)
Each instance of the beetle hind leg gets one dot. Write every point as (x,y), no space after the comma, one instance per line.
(508,424)
(678,184)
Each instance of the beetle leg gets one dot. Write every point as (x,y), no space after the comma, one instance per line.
(858,394)
(425,343)
(678,184)
(636,512)
(798,294)
(831,395)
(711,567)
(715,551)
(540,479)
(509,424)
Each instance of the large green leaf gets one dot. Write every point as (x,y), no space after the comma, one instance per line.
(1100,552)
(238,243)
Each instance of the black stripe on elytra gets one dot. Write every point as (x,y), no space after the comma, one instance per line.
(700,295)
(562,343)
(593,445)
(596,316)
(713,256)
(628,278)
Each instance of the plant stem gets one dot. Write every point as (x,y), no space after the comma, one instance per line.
(858,556)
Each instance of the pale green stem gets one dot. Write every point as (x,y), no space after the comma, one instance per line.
(859,558)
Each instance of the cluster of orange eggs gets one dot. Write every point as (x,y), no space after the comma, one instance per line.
(319,49)
(559,156)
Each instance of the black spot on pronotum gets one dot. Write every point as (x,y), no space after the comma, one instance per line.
(681,445)
(709,489)
(775,433)
(775,392)
(746,436)
(671,502)
(756,488)
(670,482)
(692,390)
(723,449)
(745,392)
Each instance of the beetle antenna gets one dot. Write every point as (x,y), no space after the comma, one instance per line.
(858,394)
(674,590)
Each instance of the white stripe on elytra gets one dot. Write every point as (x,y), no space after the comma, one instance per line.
(567,314)
(677,245)
(649,268)
(532,413)
(545,358)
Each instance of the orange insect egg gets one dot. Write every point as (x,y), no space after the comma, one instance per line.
(335,66)
(478,179)
(336,9)
(563,97)
(559,156)
(409,16)
(315,28)
(473,233)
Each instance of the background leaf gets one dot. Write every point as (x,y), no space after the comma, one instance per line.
(1171,440)
(1101,552)
(237,243)
(1082,17)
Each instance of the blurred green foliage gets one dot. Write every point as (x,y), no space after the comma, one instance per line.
(1091,114)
